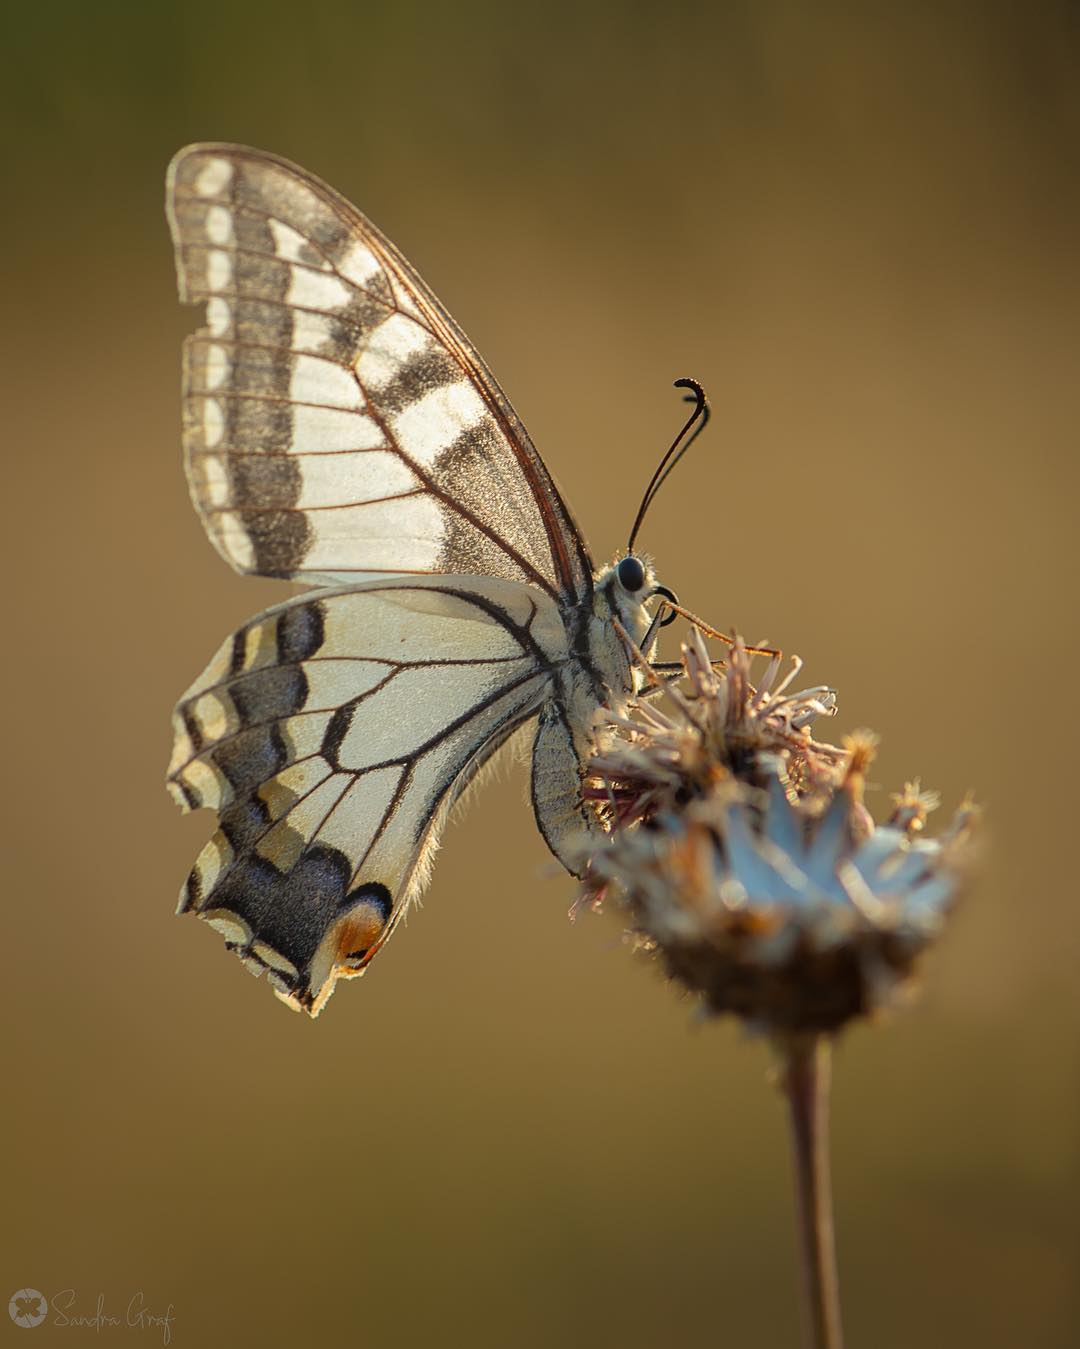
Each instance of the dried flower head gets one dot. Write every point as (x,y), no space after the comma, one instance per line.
(743,855)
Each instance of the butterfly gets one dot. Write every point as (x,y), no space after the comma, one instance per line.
(340,431)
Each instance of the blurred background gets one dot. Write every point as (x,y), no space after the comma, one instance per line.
(857,225)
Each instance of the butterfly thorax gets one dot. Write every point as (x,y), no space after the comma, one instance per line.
(597,673)
(613,599)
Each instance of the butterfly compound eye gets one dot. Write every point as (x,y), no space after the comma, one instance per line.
(631,574)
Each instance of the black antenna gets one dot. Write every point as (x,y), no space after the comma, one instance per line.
(700,414)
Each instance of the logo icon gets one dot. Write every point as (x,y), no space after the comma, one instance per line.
(28,1307)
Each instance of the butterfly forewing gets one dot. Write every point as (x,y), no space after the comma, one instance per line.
(329,734)
(337,424)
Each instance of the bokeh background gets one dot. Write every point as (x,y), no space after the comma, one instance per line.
(857,224)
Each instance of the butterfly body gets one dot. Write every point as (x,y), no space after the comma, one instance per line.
(340,431)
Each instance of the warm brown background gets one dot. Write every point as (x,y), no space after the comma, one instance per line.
(857,224)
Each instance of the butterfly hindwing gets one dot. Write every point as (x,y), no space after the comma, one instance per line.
(330,734)
(337,423)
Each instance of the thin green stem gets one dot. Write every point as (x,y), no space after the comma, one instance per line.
(804,1080)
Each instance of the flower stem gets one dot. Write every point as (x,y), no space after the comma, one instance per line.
(804,1080)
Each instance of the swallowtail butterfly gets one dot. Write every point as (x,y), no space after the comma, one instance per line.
(340,431)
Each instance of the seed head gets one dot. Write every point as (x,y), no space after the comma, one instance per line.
(742,855)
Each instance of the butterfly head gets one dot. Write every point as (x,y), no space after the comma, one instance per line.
(626,586)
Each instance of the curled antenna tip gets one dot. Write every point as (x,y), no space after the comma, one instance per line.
(679,446)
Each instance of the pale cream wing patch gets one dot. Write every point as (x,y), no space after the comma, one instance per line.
(330,734)
(337,423)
